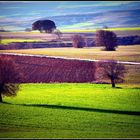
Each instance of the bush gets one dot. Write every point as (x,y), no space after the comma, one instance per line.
(108,39)
(78,41)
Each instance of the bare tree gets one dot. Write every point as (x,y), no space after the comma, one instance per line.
(111,70)
(78,41)
(8,77)
(107,39)
(58,33)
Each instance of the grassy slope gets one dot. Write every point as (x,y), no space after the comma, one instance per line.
(123,53)
(40,119)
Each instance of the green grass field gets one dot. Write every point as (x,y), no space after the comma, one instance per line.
(71,111)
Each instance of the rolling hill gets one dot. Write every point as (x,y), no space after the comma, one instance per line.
(122,18)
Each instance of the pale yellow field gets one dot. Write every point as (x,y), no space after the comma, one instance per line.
(123,53)
(82,30)
(93,30)
(7,41)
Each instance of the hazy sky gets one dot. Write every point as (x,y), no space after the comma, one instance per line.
(19,13)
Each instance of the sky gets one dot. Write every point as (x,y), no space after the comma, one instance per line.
(17,15)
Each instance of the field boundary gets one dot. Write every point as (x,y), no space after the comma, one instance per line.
(66,58)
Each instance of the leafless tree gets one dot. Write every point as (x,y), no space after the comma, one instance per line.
(8,77)
(111,70)
(58,33)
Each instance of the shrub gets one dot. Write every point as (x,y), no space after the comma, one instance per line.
(78,41)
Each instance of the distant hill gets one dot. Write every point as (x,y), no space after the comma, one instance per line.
(122,18)
(118,18)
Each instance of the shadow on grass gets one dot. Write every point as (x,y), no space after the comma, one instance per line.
(118,88)
(136,88)
(80,108)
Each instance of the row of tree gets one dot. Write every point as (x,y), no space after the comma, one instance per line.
(108,39)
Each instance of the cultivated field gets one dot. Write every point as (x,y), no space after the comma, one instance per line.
(123,53)
(7,41)
(71,111)
(66,34)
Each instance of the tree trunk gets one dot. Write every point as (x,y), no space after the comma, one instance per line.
(1,90)
(113,82)
(0,98)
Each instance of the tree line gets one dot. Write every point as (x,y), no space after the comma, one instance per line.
(107,39)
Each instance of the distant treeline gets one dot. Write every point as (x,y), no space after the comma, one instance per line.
(29,45)
(127,40)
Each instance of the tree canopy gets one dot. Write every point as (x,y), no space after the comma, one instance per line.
(111,70)
(108,39)
(44,25)
(8,77)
